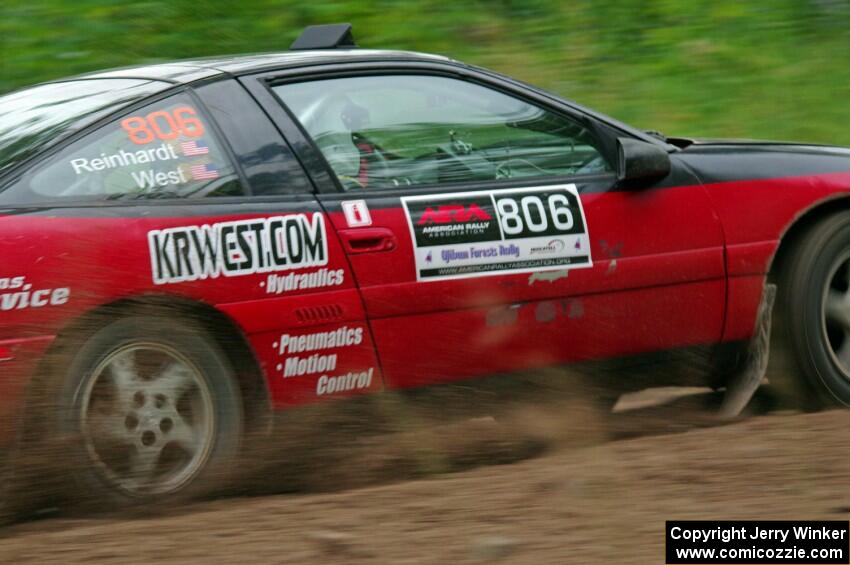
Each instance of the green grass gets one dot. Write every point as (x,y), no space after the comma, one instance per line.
(763,69)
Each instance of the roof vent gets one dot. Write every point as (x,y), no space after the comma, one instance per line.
(332,36)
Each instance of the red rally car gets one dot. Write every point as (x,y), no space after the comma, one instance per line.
(188,246)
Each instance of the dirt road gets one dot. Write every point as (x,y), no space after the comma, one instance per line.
(604,502)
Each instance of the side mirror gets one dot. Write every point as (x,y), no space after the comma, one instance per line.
(640,160)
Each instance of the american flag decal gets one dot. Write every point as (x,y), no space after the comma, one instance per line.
(203,172)
(192,148)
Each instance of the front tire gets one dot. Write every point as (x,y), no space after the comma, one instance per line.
(156,410)
(814,317)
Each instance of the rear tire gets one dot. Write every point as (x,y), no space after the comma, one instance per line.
(153,412)
(812,349)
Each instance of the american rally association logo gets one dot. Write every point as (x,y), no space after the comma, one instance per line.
(452,219)
(452,222)
(453,213)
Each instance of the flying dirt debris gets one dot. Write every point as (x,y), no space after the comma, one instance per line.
(542,508)
(751,374)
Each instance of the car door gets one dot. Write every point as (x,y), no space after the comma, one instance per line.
(486,229)
(196,199)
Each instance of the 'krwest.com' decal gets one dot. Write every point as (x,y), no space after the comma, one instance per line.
(236,248)
(469,234)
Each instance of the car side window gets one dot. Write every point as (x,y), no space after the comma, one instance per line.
(266,160)
(164,150)
(379,132)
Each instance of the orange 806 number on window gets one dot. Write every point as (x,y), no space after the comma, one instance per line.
(163,125)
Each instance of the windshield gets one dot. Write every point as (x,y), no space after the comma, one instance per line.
(34,117)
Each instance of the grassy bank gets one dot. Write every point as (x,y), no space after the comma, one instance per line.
(768,69)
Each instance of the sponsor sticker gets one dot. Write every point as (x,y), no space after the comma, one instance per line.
(516,230)
(356,213)
(241,247)
(353,380)
(18,294)
(322,278)
(306,353)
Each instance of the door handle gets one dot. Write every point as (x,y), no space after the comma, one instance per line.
(368,240)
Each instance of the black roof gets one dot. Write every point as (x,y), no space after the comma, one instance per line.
(181,72)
